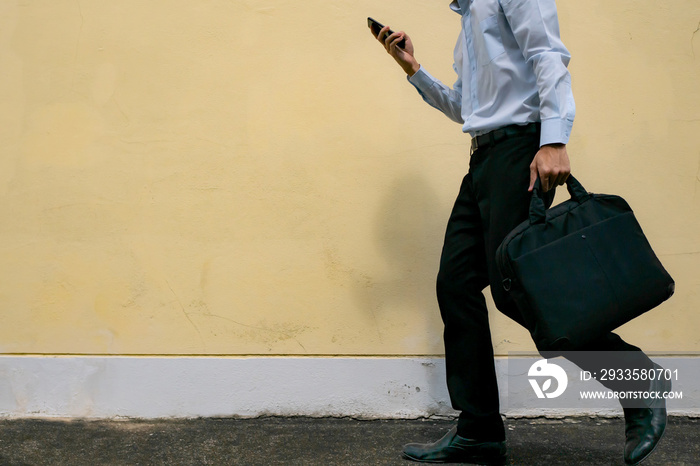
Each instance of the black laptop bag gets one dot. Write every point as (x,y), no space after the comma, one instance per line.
(580,269)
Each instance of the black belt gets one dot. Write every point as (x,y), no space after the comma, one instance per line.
(498,135)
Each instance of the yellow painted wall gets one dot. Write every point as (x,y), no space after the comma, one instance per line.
(255,177)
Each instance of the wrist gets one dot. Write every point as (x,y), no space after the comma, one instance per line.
(556,145)
(411,68)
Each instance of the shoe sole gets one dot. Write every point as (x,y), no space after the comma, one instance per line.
(481,461)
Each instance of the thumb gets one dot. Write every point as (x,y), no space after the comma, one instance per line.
(533,176)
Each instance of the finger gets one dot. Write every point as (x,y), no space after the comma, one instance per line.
(380,34)
(533,176)
(392,38)
(549,180)
(402,39)
(551,177)
(564,176)
(408,45)
(561,177)
(394,43)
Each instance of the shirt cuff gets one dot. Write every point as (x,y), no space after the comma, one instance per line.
(421,79)
(555,131)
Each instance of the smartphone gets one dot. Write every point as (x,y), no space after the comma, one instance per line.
(376,26)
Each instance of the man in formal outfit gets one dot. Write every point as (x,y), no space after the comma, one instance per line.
(513,96)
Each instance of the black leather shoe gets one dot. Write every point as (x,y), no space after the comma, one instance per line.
(455,449)
(644,427)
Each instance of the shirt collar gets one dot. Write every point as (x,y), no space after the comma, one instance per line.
(456,7)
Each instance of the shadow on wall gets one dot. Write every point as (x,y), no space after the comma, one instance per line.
(409,228)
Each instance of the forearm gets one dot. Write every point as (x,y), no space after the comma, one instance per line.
(535,26)
(438,95)
(557,106)
(435,93)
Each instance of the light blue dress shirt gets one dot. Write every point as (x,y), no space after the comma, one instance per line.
(511,69)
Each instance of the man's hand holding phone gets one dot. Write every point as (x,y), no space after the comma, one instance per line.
(397,44)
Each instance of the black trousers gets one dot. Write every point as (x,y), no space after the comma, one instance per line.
(492,200)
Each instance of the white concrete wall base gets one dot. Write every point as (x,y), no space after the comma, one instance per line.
(162,387)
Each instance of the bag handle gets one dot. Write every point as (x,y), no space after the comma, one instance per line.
(537,209)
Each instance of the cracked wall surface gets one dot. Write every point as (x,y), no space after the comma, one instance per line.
(253,178)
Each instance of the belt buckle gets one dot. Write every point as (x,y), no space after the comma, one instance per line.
(475,145)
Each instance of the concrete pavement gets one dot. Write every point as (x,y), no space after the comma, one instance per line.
(304,441)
